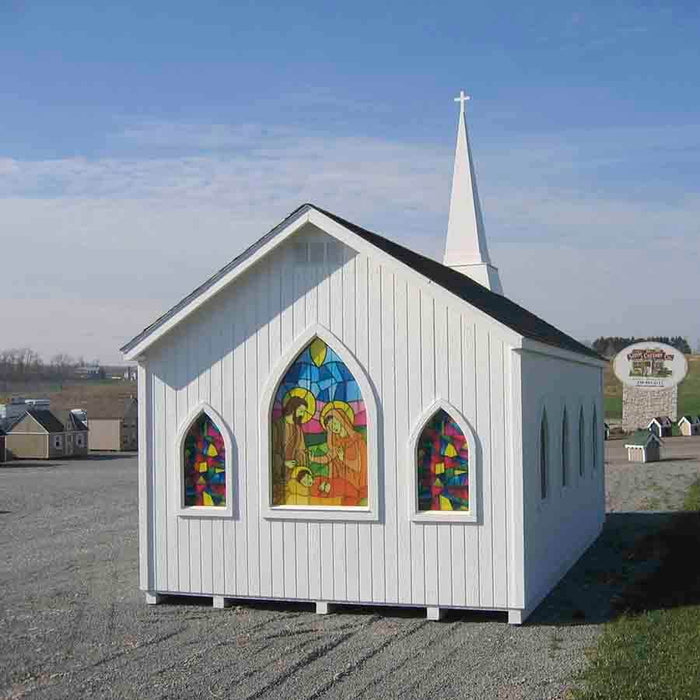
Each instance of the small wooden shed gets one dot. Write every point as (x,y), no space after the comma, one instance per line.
(36,434)
(689,425)
(661,426)
(335,418)
(113,424)
(76,435)
(644,446)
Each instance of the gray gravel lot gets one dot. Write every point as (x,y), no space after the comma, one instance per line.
(73,623)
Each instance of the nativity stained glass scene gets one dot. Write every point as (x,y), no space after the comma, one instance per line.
(319,433)
(443,465)
(205,464)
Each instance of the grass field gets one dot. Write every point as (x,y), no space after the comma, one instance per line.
(653,650)
(688,391)
(70,394)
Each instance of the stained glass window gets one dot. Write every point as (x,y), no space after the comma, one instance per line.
(204,464)
(594,439)
(581,442)
(443,465)
(564,449)
(319,433)
(544,449)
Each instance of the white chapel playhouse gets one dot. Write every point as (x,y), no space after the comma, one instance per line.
(335,418)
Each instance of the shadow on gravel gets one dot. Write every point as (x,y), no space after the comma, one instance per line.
(93,457)
(641,561)
(30,464)
(678,459)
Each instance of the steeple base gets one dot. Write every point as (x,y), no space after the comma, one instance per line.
(483,273)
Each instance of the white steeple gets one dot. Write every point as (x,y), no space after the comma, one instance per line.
(466,249)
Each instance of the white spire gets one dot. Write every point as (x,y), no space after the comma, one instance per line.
(466,249)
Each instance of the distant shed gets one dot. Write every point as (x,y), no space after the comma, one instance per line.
(661,426)
(76,435)
(689,425)
(36,434)
(113,424)
(644,446)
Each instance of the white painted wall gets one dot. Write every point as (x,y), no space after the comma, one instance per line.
(417,343)
(559,528)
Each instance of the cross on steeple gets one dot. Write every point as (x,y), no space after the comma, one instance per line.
(463,97)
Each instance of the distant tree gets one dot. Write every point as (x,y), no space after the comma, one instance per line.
(608,346)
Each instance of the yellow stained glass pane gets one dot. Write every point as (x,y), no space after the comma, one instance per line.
(445,503)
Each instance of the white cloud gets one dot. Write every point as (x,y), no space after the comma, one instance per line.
(112,242)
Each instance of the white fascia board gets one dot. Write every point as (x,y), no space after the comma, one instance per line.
(535,346)
(359,244)
(279,237)
(334,229)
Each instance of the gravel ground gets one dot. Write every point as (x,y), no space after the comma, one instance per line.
(73,623)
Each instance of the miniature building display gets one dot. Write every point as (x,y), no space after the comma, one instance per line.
(661,426)
(644,446)
(76,435)
(35,434)
(689,425)
(333,417)
(113,423)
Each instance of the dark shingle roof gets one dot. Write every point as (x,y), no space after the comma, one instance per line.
(47,420)
(495,305)
(641,438)
(71,421)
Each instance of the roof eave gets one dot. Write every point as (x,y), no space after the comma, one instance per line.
(186,306)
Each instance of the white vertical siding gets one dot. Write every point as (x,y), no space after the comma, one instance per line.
(415,346)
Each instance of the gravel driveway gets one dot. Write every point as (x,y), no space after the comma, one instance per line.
(73,623)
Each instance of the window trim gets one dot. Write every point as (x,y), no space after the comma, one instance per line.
(57,441)
(369,513)
(544,458)
(565,449)
(581,440)
(411,496)
(178,494)
(595,449)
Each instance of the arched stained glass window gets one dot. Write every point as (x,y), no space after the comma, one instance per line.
(544,449)
(594,439)
(318,433)
(204,464)
(564,449)
(443,465)
(581,442)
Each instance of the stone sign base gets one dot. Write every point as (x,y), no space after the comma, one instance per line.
(639,406)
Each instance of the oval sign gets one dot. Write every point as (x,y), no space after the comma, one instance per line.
(650,365)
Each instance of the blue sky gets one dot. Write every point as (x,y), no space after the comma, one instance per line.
(131,130)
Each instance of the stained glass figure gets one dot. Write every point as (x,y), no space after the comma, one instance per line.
(443,465)
(205,464)
(319,433)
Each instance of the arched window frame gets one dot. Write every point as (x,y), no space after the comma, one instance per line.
(565,447)
(320,513)
(581,443)
(595,448)
(411,496)
(181,509)
(543,457)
